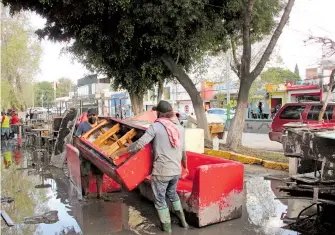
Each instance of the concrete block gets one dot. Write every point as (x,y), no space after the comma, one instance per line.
(194,140)
(293,166)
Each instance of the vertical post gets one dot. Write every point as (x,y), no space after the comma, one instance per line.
(19,135)
(228,88)
(55,91)
(81,106)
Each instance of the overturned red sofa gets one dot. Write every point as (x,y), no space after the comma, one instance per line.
(211,193)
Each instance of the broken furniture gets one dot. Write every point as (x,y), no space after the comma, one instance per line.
(215,125)
(100,142)
(211,193)
(73,165)
(314,147)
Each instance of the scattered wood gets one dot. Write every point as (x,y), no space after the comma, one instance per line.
(49,217)
(111,132)
(7,199)
(99,126)
(6,218)
(121,142)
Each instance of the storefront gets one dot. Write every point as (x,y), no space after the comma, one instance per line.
(277,95)
(307,90)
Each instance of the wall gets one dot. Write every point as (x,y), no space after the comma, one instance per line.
(260,126)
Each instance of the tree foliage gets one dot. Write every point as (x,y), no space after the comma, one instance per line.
(44,94)
(64,87)
(20,57)
(140,42)
(278,75)
(253,9)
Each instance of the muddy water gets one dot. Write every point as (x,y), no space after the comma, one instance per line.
(38,190)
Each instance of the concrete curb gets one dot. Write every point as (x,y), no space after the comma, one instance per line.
(247,159)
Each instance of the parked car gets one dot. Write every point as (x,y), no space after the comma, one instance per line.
(299,112)
(222,113)
(37,110)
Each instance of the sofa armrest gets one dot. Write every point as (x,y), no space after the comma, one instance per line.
(217,182)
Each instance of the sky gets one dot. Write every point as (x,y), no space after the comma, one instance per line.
(308,17)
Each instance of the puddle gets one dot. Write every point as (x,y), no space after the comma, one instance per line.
(125,213)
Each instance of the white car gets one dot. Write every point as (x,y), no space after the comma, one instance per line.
(37,110)
(222,113)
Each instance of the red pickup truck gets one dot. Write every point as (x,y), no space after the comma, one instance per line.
(299,112)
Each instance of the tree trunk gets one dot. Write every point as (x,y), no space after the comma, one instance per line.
(160,90)
(247,78)
(329,93)
(234,138)
(189,86)
(136,103)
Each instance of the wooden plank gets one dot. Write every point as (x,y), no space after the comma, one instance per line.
(107,135)
(99,126)
(114,147)
(216,128)
(7,219)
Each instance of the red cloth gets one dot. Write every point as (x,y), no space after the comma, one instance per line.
(172,131)
(14,120)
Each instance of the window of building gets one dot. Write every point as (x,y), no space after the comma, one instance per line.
(292,112)
(313,113)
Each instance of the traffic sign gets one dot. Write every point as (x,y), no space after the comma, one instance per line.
(187,108)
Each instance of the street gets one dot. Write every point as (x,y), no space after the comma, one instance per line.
(258,141)
(124,212)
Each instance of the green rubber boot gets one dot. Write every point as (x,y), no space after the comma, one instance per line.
(180,213)
(164,217)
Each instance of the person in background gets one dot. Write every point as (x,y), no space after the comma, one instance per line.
(5,125)
(86,166)
(260,110)
(278,107)
(178,116)
(167,136)
(14,122)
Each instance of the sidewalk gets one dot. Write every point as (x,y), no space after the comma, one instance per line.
(258,141)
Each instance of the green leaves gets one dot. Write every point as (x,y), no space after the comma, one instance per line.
(126,39)
(278,75)
(20,57)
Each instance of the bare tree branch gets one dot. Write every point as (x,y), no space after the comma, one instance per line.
(235,70)
(328,44)
(260,66)
(329,93)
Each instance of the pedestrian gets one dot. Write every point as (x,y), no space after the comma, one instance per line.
(14,123)
(5,125)
(260,110)
(86,166)
(167,136)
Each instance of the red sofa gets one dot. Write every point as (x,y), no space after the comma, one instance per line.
(211,193)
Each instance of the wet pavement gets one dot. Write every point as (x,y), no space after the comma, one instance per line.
(38,189)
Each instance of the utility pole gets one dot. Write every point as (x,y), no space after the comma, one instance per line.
(228,86)
(42,98)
